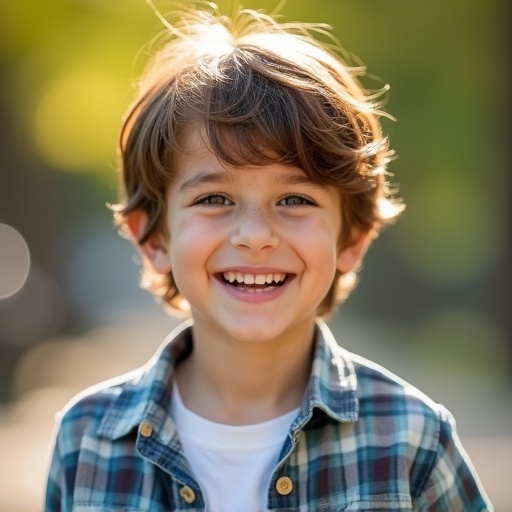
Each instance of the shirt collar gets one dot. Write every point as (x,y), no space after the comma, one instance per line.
(332,386)
(144,395)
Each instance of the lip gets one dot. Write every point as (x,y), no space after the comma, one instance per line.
(255,270)
(243,294)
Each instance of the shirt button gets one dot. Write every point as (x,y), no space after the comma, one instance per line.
(284,485)
(188,494)
(146,429)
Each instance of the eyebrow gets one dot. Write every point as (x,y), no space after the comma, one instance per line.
(297,179)
(208,177)
(224,176)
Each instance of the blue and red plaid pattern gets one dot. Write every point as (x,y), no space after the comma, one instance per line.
(363,440)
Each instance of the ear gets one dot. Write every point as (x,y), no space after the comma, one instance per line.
(155,249)
(351,255)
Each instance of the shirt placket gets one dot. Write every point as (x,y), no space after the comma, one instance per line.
(184,492)
(284,491)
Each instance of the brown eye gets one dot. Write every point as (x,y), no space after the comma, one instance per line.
(295,200)
(216,199)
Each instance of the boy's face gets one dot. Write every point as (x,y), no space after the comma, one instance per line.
(254,250)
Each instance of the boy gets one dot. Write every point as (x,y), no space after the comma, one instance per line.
(254,170)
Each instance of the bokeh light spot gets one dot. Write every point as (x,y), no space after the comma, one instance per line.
(76,121)
(14,261)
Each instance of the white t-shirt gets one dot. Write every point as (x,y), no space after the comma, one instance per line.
(232,464)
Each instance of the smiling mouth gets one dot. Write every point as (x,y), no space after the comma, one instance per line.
(254,282)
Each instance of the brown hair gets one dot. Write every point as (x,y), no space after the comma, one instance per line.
(264,92)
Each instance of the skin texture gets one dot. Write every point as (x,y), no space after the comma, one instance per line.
(250,347)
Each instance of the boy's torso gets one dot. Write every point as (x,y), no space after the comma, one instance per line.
(370,448)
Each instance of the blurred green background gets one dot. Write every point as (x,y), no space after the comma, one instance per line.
(434,300)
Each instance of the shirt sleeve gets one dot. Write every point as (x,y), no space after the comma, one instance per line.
(55,497)
(453,484)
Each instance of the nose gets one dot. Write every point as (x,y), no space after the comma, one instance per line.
(254,230)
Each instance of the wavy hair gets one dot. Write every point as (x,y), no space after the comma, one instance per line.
(264,92)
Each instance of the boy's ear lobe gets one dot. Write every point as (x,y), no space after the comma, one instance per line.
(155,249)
(350,256)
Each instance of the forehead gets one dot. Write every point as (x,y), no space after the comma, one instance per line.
(225,142)
(192,141)
(199,164)
(195,153)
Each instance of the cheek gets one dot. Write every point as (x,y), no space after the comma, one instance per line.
(192,243)
(319,255)
(318,237)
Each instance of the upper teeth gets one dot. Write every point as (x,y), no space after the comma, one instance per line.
(253,278)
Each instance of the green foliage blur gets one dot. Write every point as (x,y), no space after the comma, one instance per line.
(68,68)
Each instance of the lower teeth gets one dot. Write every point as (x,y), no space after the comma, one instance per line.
(255,290)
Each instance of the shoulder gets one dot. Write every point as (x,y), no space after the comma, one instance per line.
(114,408)
(85,412)
(397,415)
(406,432)
(384,392)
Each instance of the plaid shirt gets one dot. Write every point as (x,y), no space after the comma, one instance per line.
(363,440)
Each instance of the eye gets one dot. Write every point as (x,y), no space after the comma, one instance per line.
(295,200)
(216,199)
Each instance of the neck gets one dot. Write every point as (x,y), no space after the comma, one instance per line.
(239,383)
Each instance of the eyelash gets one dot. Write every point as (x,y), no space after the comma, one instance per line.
(207,199)
(305,200)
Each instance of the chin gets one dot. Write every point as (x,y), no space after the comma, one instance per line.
(250,332)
